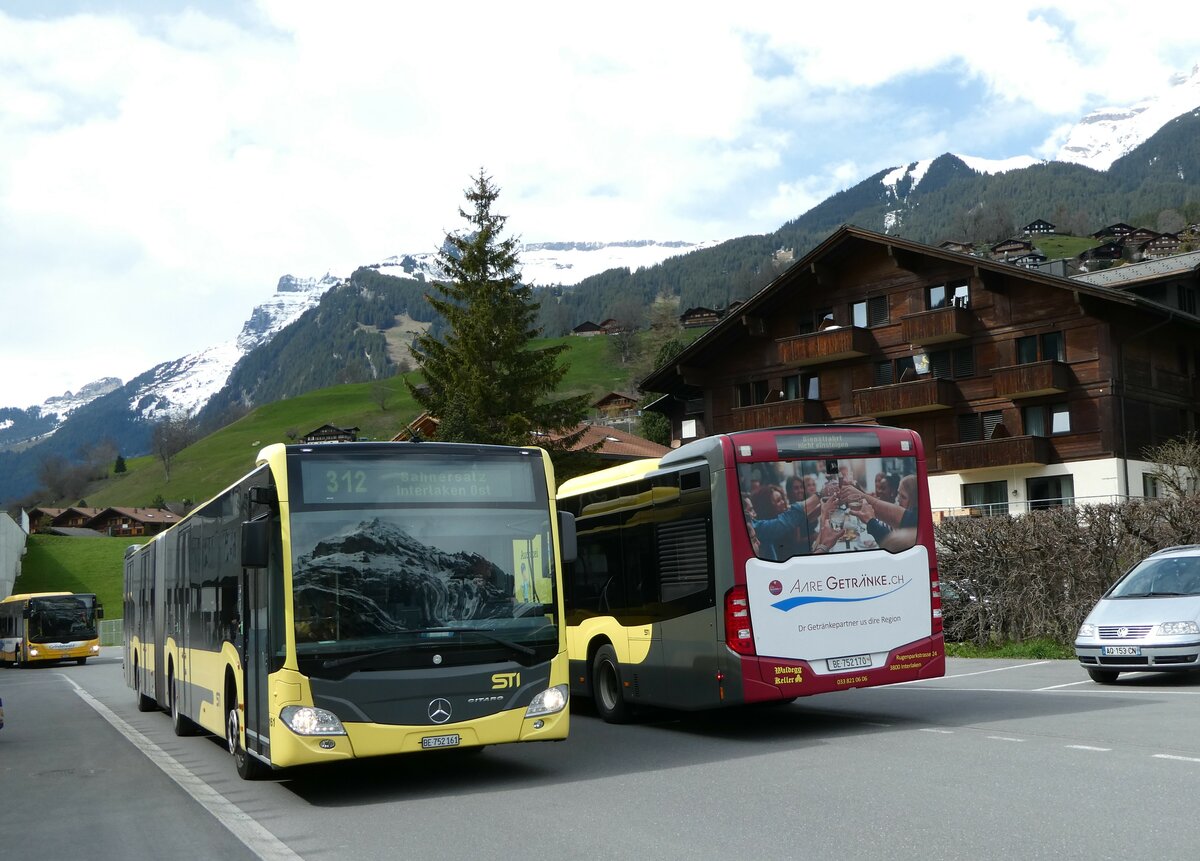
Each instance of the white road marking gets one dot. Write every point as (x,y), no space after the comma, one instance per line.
(1004,738)
(1177,758)
(994,670)
(1089,747)
(257,839)
(939,731)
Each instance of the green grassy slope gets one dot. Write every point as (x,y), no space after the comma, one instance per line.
(53,563)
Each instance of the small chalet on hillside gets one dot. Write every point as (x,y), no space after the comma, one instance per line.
(1028,389)
(1038,226)
(330,433)
(696,317)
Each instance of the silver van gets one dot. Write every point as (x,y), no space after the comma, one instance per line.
(1148,621)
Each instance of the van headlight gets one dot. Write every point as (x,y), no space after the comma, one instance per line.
(1168,629)
(1086,630)
(310,720)
(548,702)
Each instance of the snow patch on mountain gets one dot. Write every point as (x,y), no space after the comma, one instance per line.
(548,263)
(63,405)
(1103,136)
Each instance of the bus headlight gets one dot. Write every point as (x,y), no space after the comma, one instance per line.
(548,702)
(95,650)
(309,720)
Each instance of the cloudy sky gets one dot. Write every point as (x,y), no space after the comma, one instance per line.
(163,163)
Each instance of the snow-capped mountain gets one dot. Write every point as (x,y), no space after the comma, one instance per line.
(547,263)
(1105,135)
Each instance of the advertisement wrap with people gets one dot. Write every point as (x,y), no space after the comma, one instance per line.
(860,516)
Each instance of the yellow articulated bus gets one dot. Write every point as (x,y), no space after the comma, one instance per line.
(48,627)
(358,599)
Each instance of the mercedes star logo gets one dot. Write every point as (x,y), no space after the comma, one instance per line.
(439,710)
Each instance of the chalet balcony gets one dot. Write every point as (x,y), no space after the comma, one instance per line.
(1029,381)
(777,414)
(831,345)
(951,323)
(917,396)
(991,453)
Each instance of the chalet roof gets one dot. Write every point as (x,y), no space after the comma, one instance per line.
(1123,276)
(141,515)
(617,444)
(65,513)
(846,242)
(615,396)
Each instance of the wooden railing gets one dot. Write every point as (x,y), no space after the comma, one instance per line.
(778,414)
(1030,381)
(951,323)
(831,345)
(990,453)
(917,396)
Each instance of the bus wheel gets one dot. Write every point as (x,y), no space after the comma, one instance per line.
(248,768)
(606,686)
(81,661)
(17,658)
(179,722)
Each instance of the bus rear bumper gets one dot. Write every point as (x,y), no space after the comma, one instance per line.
(767,679)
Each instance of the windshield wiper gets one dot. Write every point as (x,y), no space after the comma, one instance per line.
(520,648)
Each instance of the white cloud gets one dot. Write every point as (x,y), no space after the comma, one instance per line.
(159,170)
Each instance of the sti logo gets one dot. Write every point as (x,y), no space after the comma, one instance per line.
(776,587)
(505,680)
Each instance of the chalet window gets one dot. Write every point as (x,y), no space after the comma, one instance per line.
(991,496)
(1151,487)
(810,321)
(1187,298)
(1047,420)
(1040,348)
(956,293)
(973,427)
(895,371)
(1051,491)
(872,312)
(801,387)
(952,364)
(752,393)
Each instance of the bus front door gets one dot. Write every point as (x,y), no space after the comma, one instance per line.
(256,659)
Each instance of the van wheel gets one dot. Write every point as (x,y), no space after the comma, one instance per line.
(1103,677)
(607,690)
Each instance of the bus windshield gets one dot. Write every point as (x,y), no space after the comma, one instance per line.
(60,619)
(829,505)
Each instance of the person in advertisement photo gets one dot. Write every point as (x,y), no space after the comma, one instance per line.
(839,515)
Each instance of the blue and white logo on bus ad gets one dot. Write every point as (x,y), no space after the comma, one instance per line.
(811,608)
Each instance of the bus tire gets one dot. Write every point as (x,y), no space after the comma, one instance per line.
(17,658)
(607,690)
(81,661)
(179,722)
(248,768)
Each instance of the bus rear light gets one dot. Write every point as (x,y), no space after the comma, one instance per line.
(739,633)
(935,597)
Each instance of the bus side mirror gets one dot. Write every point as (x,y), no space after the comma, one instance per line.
(566,536)
(26,612)
(99,611)
(256,543)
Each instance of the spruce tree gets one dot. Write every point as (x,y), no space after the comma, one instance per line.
(483,381)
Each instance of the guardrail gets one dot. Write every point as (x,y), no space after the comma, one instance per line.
(1024,506)
(112,632)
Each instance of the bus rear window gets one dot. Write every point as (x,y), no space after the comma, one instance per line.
(829,504)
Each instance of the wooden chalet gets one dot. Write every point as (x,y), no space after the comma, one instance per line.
(958,247)
(587,329)
(1114,231)
(41,517)
(75,517)
(693,318)
(1010,248)
(1107,251)
(128,522)
(1038,389)
(1037,226)
(1163,245)
(330,433)
(1032,259)
(616,404)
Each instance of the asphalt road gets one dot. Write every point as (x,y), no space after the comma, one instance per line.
(1000,759)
